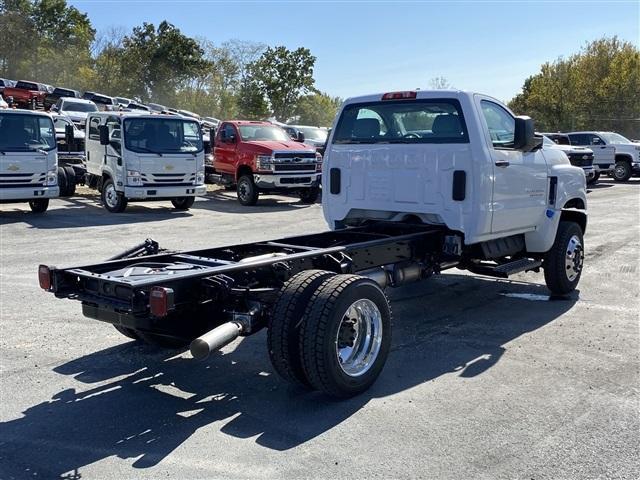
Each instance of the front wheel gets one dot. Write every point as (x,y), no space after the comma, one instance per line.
(309,195)
(622,171)
(39,206)
(183,203)
(345,335)
(247,191)
(113,201)
(564,262)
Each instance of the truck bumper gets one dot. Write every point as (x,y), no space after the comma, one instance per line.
(603,167)
(163,192)
(8,195)
(589,172)
(299,180)
(635,168)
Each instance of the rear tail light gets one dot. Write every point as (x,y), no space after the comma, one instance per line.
(45,277)
(160,301)
(399,95)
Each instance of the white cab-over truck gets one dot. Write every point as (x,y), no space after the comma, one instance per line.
(415,183)
(28,159)
(134,157)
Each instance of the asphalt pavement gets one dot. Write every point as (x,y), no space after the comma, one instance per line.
(486,379)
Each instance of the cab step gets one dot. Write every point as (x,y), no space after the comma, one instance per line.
(506,269)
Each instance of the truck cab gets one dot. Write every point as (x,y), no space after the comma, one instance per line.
(134,157)
(456,159)
(259,157)
(28,159)
(612,147)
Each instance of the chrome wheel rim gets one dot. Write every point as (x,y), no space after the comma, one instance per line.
(574,258)
(359,337)
(620,171)
(111,196)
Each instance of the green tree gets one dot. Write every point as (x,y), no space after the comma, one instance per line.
(283,76)
(251,101)
(596,89)
(317,109)
(158,61)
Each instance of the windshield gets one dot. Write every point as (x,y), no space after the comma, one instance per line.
(78,107)
(412,121)
(614,138)
(313,133)
(161,135)
(20,133)
(547,141)
(260,133)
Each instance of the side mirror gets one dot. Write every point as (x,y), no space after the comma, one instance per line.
(104,134)
(300,137)
(524,137)
(68,134)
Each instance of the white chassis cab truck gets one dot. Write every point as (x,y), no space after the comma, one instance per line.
(415,183)
(134,157)
(28,159)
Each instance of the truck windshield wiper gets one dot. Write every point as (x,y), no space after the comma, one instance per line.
(148,150)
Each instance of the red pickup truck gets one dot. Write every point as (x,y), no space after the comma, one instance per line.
(26,94)
(259,157)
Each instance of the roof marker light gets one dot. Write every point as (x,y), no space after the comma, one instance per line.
(409,95)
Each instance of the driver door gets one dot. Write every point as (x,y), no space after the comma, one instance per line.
(520,178)
(224,160)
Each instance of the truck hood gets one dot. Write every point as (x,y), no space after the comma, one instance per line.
(573,149)
(23,165)
(75,116)
(272,146)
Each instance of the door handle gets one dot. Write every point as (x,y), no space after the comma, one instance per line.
(502,163)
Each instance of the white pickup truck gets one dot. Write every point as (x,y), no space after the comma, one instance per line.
(28,159)
(415,183)
(612,147)
(135,157)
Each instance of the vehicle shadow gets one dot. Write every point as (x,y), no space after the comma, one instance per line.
(143,403)
(227,202)
(81,211)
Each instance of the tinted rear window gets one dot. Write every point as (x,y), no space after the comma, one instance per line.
(402,121)
(27,85)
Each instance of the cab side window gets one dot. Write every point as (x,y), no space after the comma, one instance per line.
(500,123)
(94,134)
(227,132)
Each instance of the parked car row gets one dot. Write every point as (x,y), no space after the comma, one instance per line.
(612,153)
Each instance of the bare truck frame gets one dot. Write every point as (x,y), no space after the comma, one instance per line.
(300,288)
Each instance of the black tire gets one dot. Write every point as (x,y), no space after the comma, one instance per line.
(127,332)
(117,202)
(63,184)
(594,179)
(39,205)
(323,320)
(622,171)
(162,341)
(283,335)
(309,195)
(561,277)
(247,191)
(71,181)
(183,203)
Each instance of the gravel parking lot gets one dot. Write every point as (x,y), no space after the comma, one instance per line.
(487,378)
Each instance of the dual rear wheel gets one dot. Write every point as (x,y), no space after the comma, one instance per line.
(330,332)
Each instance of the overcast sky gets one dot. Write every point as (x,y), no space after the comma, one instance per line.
(374,46)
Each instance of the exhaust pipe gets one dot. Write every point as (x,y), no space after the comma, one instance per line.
(215,339)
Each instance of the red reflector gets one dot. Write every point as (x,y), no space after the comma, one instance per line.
(399,95)
(44,277)
(160,301)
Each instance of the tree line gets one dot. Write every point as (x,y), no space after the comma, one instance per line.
(52,42)
(597,88)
